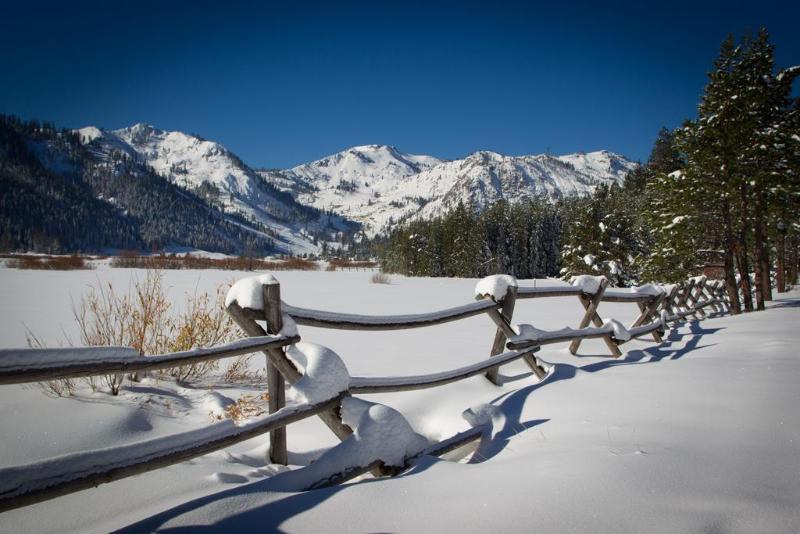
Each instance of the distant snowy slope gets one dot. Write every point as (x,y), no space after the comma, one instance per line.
(215,172)
(378,185)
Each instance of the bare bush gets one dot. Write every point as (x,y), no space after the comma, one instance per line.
(143,319)
(51,263)
(248,406)
(203,324)
(241,263)
(380,278)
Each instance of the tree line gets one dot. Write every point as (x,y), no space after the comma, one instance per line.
(721,190)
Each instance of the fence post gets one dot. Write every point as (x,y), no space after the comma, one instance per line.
(275,384)
(590,305)
(669,300)
(695,298)
(686,292)
(507,311)
(648,311)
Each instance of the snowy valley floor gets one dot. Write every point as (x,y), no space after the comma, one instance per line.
(698,434)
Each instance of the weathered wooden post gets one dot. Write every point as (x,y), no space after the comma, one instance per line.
(669,300)
(695,297)
(275,384)
(246,319)
(590,305)
(648,312)
(507,311)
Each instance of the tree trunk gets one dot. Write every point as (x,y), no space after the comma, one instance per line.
(781,261)
(730,249)
(761,256)
(741,253)
(794,260)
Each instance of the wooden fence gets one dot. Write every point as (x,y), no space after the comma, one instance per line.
(27,484)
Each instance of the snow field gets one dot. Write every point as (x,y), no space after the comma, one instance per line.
(696,434)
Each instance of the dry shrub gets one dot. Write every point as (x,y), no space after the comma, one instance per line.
(52,388)
(143,319)
(239,369)
(339,263)
(380,278)
(51,263)
(136,319)
(241,263)
(204,323)
(248,406)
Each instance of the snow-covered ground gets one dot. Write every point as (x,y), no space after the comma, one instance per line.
(701,433)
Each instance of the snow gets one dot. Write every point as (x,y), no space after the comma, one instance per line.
(620,332)
(19,359)
(324,373)
(589,284)
(376,184)
(495,286)
(698,434)
(248,292)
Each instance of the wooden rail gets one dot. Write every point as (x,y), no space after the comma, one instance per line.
(27,484)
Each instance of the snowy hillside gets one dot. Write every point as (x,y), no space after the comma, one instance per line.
(375,185)
(378,185)
(218,174)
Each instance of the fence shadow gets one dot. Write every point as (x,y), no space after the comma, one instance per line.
(272,514)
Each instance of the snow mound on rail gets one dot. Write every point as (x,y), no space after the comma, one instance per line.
(324,373)
(588,283)
(247,292)
(495,286)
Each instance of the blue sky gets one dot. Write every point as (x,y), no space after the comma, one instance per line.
(288,82)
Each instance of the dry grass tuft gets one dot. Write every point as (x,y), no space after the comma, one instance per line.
(248,406)
(380,278)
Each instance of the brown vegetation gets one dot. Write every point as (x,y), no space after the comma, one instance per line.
(241,263)
(54,263)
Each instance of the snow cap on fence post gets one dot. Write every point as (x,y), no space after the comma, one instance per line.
(247,292)
(495,286)
(587,283)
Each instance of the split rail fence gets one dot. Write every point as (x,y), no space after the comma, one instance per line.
(28,484)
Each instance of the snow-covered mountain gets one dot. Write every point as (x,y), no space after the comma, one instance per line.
(378,185)
(374,185)
(212,170)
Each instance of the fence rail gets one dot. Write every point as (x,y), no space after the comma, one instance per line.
(27,484)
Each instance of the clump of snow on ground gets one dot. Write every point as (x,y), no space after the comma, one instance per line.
(495,286)
(247,292)
(381,430)
(587,283)
(324,373)
(379,433)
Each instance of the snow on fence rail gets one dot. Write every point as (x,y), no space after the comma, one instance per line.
(321,379)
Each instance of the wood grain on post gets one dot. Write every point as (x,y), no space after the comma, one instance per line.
(695,299)
(590,305)
(278,453)
(331,418)
(507,312)
(648,312)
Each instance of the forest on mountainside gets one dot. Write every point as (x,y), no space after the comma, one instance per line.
(57,197)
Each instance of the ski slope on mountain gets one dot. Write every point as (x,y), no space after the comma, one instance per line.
(378,185)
